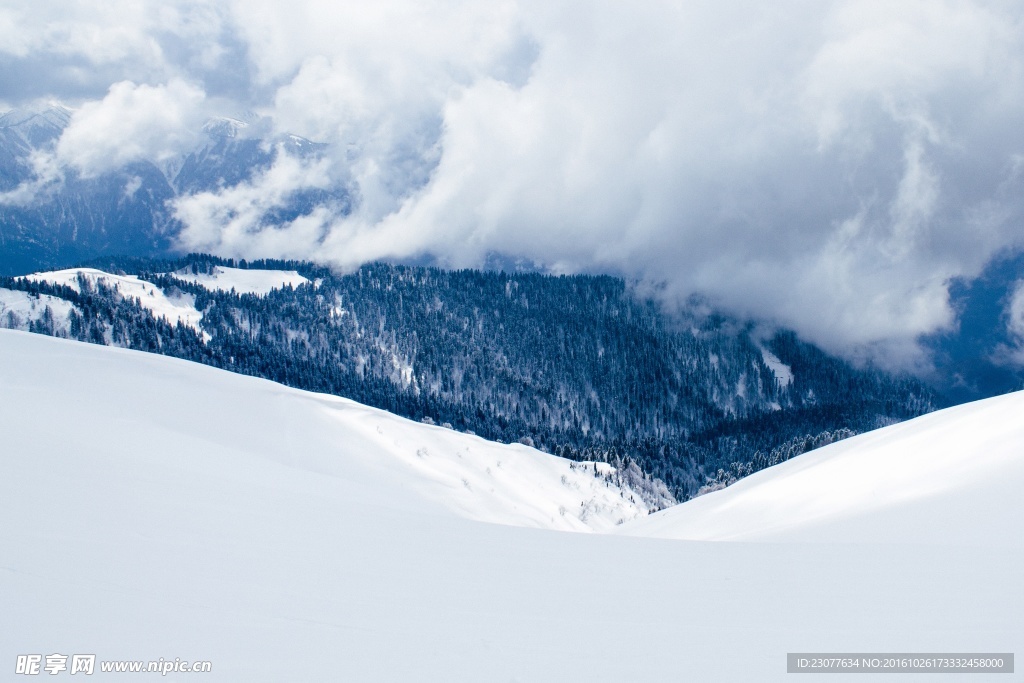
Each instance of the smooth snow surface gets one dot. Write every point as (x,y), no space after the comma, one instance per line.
(260,282)
(180,308)
(439,469)
(953,477)
(152,508)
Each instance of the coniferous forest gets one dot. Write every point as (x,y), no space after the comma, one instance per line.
(579,366)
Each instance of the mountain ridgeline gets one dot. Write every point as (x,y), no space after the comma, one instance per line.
(127,210)
(579,366)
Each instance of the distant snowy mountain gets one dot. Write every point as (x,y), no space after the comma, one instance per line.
(28,129)
(154,508)
(125,211)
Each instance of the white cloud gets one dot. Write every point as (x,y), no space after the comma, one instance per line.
(807,169)
(93,33)
(133,122)
(46,173)
(12,38)
(1015,311)
(829,165)
(234,219)
(1013,353)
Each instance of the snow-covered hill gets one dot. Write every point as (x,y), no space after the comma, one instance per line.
(951,477)
(175,308)
(382,456)
(180,308)
(152,508)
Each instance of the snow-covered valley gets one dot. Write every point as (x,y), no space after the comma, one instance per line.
(155,508)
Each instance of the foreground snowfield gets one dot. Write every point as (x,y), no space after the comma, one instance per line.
(154,508)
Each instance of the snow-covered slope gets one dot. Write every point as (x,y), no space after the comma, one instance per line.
(951,477)
(180,308)
(152,508)
(382,455)
(243,281)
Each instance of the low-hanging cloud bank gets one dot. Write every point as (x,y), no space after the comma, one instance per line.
(827,165)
